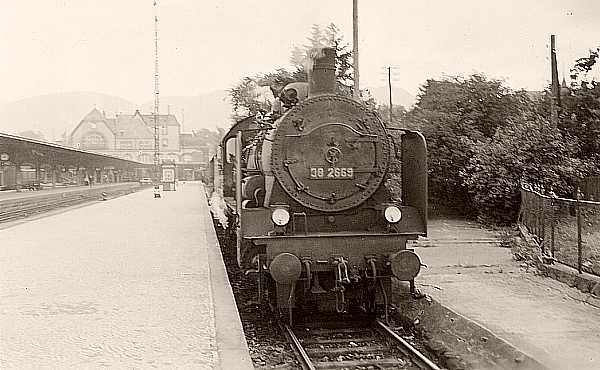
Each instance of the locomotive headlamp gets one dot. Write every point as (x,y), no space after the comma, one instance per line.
(280,217)
(392,214)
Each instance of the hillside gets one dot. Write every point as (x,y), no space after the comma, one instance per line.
(54,114)
(208,110)
(399,96)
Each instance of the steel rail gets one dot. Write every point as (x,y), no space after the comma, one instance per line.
(301,354)
(30,207)
(410,351)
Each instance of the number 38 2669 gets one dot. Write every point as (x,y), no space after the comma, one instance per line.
(331,173)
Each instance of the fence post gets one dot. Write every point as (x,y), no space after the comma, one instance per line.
(543,225)
(578,212)
(552,225)
(537,217)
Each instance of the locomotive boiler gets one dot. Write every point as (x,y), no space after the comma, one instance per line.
(315,220)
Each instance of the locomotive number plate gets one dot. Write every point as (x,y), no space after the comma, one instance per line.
(328,173)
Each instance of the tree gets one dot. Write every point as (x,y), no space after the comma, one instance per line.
(398,114)
(527,150)
(329,36)
(455,114)
(248,97)
(580,117)
(580,106)
(582,68)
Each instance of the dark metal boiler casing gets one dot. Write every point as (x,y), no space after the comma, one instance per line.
(329,153)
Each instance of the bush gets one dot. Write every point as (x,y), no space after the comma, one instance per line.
(527,150)
(455,114)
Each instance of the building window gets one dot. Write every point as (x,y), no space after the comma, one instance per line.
(126,144)
(145,158)
(164,130)
(93,141)
(165,142)
(146,145)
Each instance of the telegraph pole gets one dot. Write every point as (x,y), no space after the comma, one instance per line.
(356,92)
(555,88)
(390,90)
(156,101)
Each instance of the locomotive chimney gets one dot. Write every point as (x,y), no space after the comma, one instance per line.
(321,71)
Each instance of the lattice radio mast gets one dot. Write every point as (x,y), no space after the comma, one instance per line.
(156,100)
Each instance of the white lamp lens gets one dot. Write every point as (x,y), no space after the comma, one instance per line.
(392,214)
(280,217)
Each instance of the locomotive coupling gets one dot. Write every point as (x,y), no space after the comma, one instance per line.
(405,265)
(285,268)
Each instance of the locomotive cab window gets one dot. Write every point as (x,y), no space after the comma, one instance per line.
(230,150)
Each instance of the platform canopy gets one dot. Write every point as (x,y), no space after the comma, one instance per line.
(20,150)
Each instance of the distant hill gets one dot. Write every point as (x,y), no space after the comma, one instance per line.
(209,110)
(399,96)
(53,114)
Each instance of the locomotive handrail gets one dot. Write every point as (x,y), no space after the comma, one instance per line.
(330,124)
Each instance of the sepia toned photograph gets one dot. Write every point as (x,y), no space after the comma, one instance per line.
(340,184)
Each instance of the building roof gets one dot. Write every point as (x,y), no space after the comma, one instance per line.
(94,115)
(192,140)
(131,126)
(31,150)
(163,119)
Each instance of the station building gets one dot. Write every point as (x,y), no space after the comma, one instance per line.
(131,136)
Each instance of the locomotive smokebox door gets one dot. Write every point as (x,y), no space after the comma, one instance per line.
(330,154)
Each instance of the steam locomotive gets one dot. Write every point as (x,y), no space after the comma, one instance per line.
(314,218)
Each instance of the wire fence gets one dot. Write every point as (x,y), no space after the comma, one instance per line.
(567,230)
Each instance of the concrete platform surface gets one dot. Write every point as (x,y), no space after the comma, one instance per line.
(133,282)
(541,317)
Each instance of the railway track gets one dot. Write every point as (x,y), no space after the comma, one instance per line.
(26,207)
(30,209)
(353,344)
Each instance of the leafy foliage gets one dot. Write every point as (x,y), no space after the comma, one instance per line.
(527,150)
(583,66)
(398,114)
(455,114)
(248,97)
(580,117)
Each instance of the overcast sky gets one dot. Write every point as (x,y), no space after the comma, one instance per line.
(107,45)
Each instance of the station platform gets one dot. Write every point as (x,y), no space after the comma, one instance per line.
(132,282)
(469,273)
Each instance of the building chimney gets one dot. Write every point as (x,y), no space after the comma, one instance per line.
(321,71)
